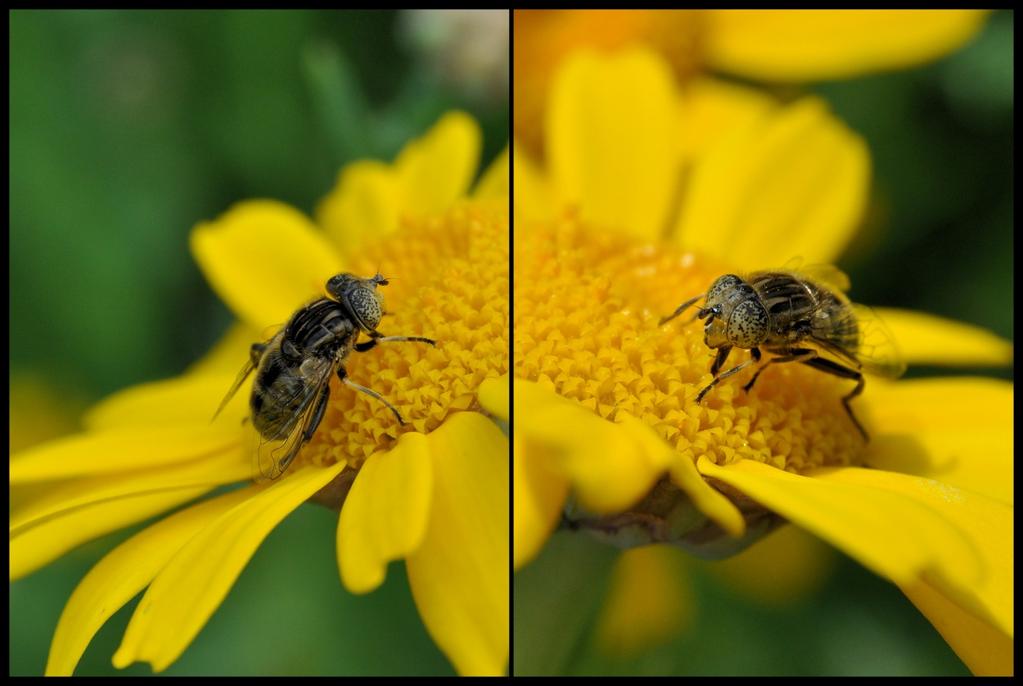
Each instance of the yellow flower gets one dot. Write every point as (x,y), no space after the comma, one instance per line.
(768,45)
(607,429)
(434,492)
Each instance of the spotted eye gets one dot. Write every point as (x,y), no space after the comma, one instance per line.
(339,284)
(366,305)
(747,326)
(720,289)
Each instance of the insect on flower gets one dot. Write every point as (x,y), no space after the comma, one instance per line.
(797,315)
(293,369)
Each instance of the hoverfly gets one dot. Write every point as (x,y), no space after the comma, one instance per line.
(293,369)
(797,315)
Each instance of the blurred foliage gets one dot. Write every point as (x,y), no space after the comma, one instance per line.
(856,624)
(126,129)
(39,412)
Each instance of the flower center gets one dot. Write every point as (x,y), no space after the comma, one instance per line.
(587,305)
(448,280)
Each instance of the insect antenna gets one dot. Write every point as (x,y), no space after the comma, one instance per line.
(379,278)
(681,308)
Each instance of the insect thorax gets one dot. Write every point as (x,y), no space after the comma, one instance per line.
(322,328)
(799,308)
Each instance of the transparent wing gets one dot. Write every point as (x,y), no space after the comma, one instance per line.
(876,352)
(278,446)
(242,375)
(248,368)
(825,274)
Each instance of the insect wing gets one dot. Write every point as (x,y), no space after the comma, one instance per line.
(877,352)
(824,274)
(247,369)
(274,452)
(242,375)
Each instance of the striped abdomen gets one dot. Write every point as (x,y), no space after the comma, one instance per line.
(297,362)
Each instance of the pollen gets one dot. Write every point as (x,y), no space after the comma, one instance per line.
(587,306)
(448,280)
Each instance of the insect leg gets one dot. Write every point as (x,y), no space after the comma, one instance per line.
(321,407)
(830,367)
(343,375)
(754,358)
(790,355)
(256,352)
(719,360)
(372,342)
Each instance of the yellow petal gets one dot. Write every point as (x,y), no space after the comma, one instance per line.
(544,38)
(437,169)
(66,496)
(532,201)
(459,574)
(539,498)
(495,180)
(926,339)
(428,176)
(985,650)
(803,45)
(195,581)
(608,468)
(121,449)
(986,525)
(956,430)
(713,109)
(891,535)
(183,402)
(494,396)
(229,353)
(649,601)
(792,183)
(37,546)
(122,573)
(365,204)
(707,500)
(612,128)
(264,259)
(384,516)
(683,472)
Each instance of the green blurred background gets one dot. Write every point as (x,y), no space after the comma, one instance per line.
(128,128)
(938,237)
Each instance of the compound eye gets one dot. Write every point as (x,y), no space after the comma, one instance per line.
(747,326)
(337,284)
(366,306)
(720,289)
